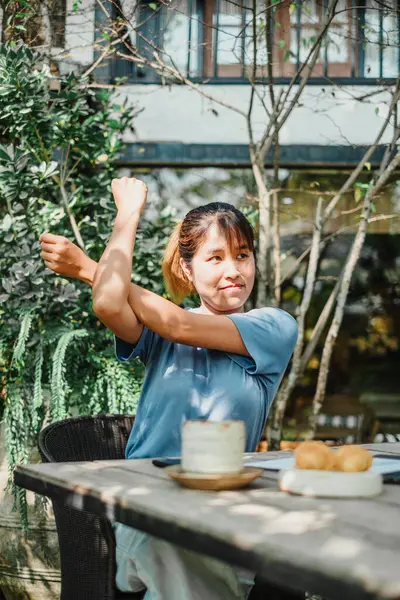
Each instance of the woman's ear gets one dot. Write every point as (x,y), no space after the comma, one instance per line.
(186,270)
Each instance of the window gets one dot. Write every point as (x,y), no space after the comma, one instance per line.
(213,39)
(299,29)
(381,29)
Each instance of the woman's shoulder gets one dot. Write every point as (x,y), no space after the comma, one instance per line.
(272,313)
(277,318)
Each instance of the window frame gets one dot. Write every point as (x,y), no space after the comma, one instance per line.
(349,72)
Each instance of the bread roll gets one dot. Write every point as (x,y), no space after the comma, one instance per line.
(352,459)
(314,455)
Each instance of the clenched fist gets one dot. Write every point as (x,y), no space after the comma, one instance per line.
(130,195)
(62,256)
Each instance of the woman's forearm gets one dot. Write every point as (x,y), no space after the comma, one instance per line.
(87,270)
(157,313)
(112,277)
(154,311)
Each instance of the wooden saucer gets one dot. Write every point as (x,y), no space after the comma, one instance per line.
(214,481)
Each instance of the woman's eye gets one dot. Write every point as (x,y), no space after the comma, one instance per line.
(243,255)
(215,258)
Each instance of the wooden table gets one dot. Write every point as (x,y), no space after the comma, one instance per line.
(336,548)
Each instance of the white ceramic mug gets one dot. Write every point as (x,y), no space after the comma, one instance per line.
(213,446)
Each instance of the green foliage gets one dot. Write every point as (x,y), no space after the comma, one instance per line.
(59,387)
(18,17)
(57,160)
(111,386)
(26,324)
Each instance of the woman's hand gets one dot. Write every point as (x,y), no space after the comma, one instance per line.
(65,258)
(130,195)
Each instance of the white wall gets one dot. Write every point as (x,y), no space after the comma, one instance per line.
(179,114)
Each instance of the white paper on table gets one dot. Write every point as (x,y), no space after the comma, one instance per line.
(379,464)
(275,464)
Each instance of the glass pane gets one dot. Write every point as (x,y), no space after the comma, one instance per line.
(262,57)
(338,45)
(180,34)
(390,45)
(309,13)
(337,38)
(371,43)
(228,39)
(307,39)
(230,44)
(130,11)
(381,24)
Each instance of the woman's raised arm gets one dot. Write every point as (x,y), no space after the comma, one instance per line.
(110,278)
(143,307)
(65,258)
(113,274)
(216,332)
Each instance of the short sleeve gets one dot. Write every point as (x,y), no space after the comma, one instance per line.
(270,335)
(125,351)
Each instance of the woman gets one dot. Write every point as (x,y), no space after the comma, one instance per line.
(215,362)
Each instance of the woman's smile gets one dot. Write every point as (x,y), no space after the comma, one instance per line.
(233,287)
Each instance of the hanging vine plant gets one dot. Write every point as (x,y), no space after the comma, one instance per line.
(58,153)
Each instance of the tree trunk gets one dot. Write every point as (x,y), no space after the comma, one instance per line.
(348,272)
(264,236)
(275,429)
(276,250)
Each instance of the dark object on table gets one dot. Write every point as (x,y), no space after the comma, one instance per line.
(262,590)
(166,462)
(87,542)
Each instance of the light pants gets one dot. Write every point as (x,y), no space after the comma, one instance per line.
(169,572)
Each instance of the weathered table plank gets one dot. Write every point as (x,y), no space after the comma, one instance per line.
(332,547)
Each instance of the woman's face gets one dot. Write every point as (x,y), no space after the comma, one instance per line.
(223,279)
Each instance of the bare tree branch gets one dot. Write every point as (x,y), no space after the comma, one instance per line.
(71,216)
(276,248)
(346,186)
(351,263)
(104,54)
(264,236)
(319,327)
(308,66)
(288,386)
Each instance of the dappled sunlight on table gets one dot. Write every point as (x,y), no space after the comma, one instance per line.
(341,547)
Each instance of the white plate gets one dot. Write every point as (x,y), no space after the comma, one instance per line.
(330,484)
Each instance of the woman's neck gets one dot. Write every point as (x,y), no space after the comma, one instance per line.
(206,309)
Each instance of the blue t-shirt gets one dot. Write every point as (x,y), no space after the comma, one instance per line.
(183,382)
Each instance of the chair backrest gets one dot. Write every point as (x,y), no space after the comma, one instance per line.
(342,419)
(99,437)
(345,419)
(87,542)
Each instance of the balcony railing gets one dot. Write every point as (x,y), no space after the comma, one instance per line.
(219,41)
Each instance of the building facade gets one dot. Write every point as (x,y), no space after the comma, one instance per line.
(195,119)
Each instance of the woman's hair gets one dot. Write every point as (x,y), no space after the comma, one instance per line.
(190,233)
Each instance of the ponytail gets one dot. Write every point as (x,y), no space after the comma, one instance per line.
(177,284)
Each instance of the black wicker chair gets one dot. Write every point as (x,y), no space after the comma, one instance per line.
(87,542)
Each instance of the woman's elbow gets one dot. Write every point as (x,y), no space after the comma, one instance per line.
(103,306)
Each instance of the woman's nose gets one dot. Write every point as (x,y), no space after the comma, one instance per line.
(231,269)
